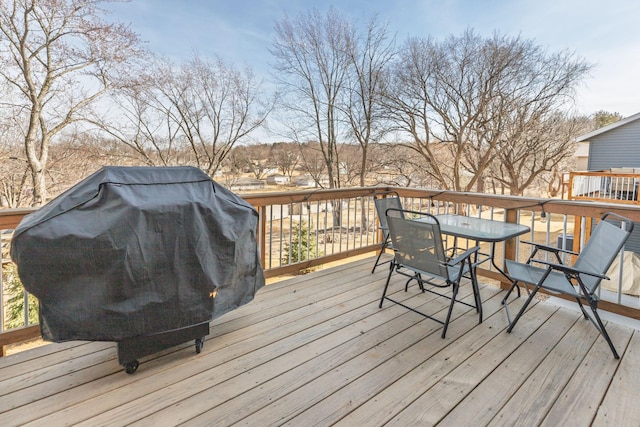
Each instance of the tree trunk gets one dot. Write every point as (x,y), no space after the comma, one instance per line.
(39,186)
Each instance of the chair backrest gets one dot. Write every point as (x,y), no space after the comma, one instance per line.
(417,242)
(601,249)
(391,201)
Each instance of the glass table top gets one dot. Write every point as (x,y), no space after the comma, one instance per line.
(480,229)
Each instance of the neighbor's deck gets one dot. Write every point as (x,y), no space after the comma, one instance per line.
(317,350)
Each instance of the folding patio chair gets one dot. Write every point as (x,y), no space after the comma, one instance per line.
(384,201)
(419,255)
(583,279)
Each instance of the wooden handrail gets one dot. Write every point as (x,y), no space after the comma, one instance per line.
(18,335)
(10,218)
(626,183)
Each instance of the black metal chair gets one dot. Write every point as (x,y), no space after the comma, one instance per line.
(581,281)
(419,255)
(384,201)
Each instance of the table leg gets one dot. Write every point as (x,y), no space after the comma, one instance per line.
(514,284)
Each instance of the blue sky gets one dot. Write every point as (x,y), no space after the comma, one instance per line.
(240,31)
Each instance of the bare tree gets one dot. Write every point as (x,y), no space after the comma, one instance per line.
(144,121)
(473,97)
(351,165)
(537,151)
(397,164)
(14,174)
(370,57)
(313,162)
(203,107)
(285,156)
(312,59)
(255,158)
(60,57)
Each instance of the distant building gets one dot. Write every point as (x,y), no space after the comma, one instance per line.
(305,181)
(246,184)
(278,179)
(308,181)
(613,146)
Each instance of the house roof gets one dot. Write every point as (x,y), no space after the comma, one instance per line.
(607,128)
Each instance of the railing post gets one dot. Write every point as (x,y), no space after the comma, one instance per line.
(262,224)
(510,246)
(570,187)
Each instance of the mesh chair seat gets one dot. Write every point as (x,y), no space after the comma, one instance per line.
(555,282)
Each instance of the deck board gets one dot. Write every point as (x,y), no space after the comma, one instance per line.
(317,350)
(621,406)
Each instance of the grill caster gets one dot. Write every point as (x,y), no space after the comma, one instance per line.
(131,367)
(199,344)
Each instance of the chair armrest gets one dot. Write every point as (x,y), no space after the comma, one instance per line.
(466,254)
(571,270)
(549,248)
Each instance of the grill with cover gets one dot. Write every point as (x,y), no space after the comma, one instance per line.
(144,256)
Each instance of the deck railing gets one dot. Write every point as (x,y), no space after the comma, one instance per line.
(305,229)
(619,185)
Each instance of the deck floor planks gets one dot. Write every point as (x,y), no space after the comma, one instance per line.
(317,388)
(236,345)
(530,404)
(579,400)
(481,405)
(620,405)
(316,349)
(44,383)
(353,341)
(340,347)
(440,382)
(415,366)
(175,395)
(299,291)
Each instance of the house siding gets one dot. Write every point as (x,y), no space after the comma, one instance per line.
(618,148)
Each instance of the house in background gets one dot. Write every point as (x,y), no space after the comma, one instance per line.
(277,179)
(613,146)
(609,163)
(247,184)
(309,181)
(611,155)
(582,156)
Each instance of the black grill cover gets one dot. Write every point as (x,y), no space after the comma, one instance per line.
(134,251)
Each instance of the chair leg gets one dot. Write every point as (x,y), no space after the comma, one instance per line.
(584,312)
(386,285)
(453,300)
(523,308)
(527,302)
(382,249)
(601,329)
(513,285)
(476,293)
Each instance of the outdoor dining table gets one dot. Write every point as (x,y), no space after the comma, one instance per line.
(481,230)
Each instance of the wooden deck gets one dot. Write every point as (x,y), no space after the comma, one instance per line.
(317,350)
